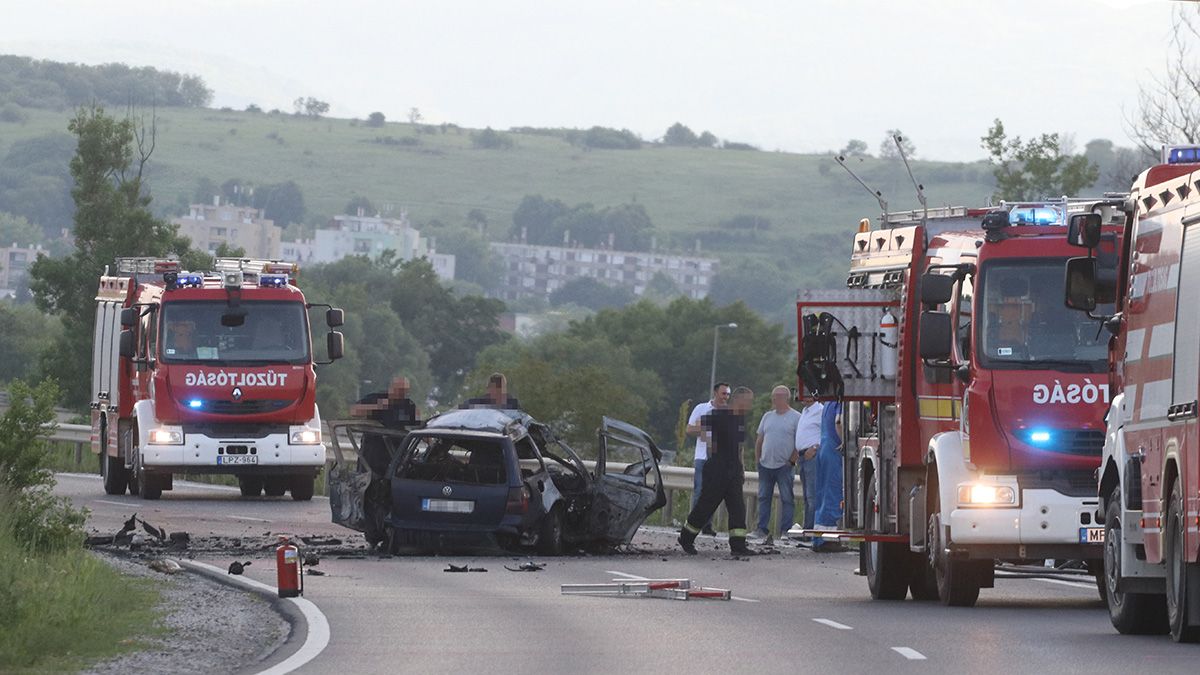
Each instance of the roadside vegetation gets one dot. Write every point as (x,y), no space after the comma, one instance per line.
(61,606)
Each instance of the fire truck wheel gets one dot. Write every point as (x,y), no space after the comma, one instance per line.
(923,584)
(1130,613)
(302,487)
(116,476)
(958,581)
(151,485)
(1177,569)
(275,486)
(886,563)
(134,488)
(251,486)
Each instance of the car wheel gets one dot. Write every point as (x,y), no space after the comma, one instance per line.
(886,563)
(275,486)
(1177,570)
(550,540)
(250,486)
(303,487)
(1130,613)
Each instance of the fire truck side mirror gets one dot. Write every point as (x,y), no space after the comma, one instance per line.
(1083,230)
(128,317)
(936,289)
(334,317)
(335,345)
(1081,284)
(127,347)
(936,335)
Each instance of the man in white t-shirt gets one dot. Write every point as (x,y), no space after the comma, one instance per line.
(720,399)
(808,441)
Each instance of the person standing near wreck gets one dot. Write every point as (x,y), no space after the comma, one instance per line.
(393,409)
(725,431)
(776,455)
(496,397)
(720,399)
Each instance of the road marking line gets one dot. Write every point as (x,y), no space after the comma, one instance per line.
(105,501)
(909,653)
(634,577)
(1074,584)
(833,624)
(257,520)
(318,626)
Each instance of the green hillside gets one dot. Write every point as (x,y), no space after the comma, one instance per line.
(436,173)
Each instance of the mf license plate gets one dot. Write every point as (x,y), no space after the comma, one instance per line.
(226,460)
(1091,535)
(448,505)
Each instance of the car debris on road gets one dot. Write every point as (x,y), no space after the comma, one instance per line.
(236,567)
(527,567)
(463,568)
(670,589)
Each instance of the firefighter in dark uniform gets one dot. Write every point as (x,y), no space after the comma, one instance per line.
(723,474)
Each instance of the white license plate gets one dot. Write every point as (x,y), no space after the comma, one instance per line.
(447,505)
(237,459)
(1091,535)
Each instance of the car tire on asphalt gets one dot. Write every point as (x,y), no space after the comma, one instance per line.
(550,540)
(303,486)
(1177,569)
(886,563)
(250,486)
(1130,613)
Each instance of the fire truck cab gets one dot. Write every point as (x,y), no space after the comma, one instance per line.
(980,444)
(1149,483)
(207,372)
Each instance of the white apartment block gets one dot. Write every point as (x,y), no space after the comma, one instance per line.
(209,226)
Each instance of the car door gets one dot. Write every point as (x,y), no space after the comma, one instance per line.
(628,483)
(357,475)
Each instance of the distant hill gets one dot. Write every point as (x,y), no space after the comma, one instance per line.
(32,83)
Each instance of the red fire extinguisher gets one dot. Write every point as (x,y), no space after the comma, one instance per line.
(288,567)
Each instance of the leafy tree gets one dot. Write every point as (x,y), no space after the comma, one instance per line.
(707,140)
(310,106)
(765,287)
(35,182)
(605,138)
(206,189)
(1169,104)
(855,148)
(360,202)
(112,218)
(477,219)
(678,134)
(18,230)
(887,148)
(1037,168)
(281,202)
(592,294)
(32,83)
(661,289)
(570,382)
(549,222)
(23,332)
(732,145)
(490,139)
(534,218)
(376,119)
(473,259)
(747,221)
(253,108)
(414,116)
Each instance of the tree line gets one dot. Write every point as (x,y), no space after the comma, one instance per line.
(33,83)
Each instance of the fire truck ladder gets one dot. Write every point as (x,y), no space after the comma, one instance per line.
(670,589)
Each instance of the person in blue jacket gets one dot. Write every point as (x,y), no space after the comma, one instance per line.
(829,476)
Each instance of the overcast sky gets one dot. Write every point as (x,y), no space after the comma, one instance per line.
(797,75)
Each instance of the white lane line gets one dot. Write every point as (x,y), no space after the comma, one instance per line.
(318,626)
(909,653)
(1073,584)
(105,501)
(833,624)
(634,577)
(257,520)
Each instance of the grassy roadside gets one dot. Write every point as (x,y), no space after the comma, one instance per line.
(66,608)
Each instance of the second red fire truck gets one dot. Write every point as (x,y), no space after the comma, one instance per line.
(207,372)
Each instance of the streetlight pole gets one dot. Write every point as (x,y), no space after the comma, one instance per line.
(712,380)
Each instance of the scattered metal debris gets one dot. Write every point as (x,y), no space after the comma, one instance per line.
(311,559)
(314,573)
(463,568)
(236,567)
(166,566)
(527,567)
(670,589)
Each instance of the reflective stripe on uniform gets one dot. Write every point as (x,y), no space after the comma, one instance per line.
(738,532)
(688,526)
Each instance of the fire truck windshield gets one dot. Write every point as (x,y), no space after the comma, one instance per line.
(1025,324)
(272,332)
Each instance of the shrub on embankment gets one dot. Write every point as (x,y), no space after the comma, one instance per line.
(60,606)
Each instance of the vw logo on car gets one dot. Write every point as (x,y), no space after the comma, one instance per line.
(447,490)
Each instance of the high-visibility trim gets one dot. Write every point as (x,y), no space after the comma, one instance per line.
(938,407)
(738,532)
(688,526)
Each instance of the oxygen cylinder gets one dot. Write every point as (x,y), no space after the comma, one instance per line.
(289,569)
(889,335)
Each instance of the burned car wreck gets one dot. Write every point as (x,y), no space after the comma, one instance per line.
(493,478)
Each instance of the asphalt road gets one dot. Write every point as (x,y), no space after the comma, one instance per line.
(793,612)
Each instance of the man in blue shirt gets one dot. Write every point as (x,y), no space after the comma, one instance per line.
(829,476)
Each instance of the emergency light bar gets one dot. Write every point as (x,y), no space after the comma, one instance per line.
(1035,215)
(1182,154)
(272,280)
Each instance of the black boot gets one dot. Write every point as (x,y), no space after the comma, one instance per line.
(737,546)
(687,540)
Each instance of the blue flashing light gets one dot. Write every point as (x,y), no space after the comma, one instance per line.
(1039,436)
(1035,215)
(272,280)
(192,280)
(1184,155)
(195,403)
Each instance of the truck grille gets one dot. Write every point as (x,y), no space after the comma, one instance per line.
(1090,443)
(250,407)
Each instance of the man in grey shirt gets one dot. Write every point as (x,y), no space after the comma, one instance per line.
(775,450)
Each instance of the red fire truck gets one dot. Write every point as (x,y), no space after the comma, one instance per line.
(206,372)
(1149,486)
(973,403)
